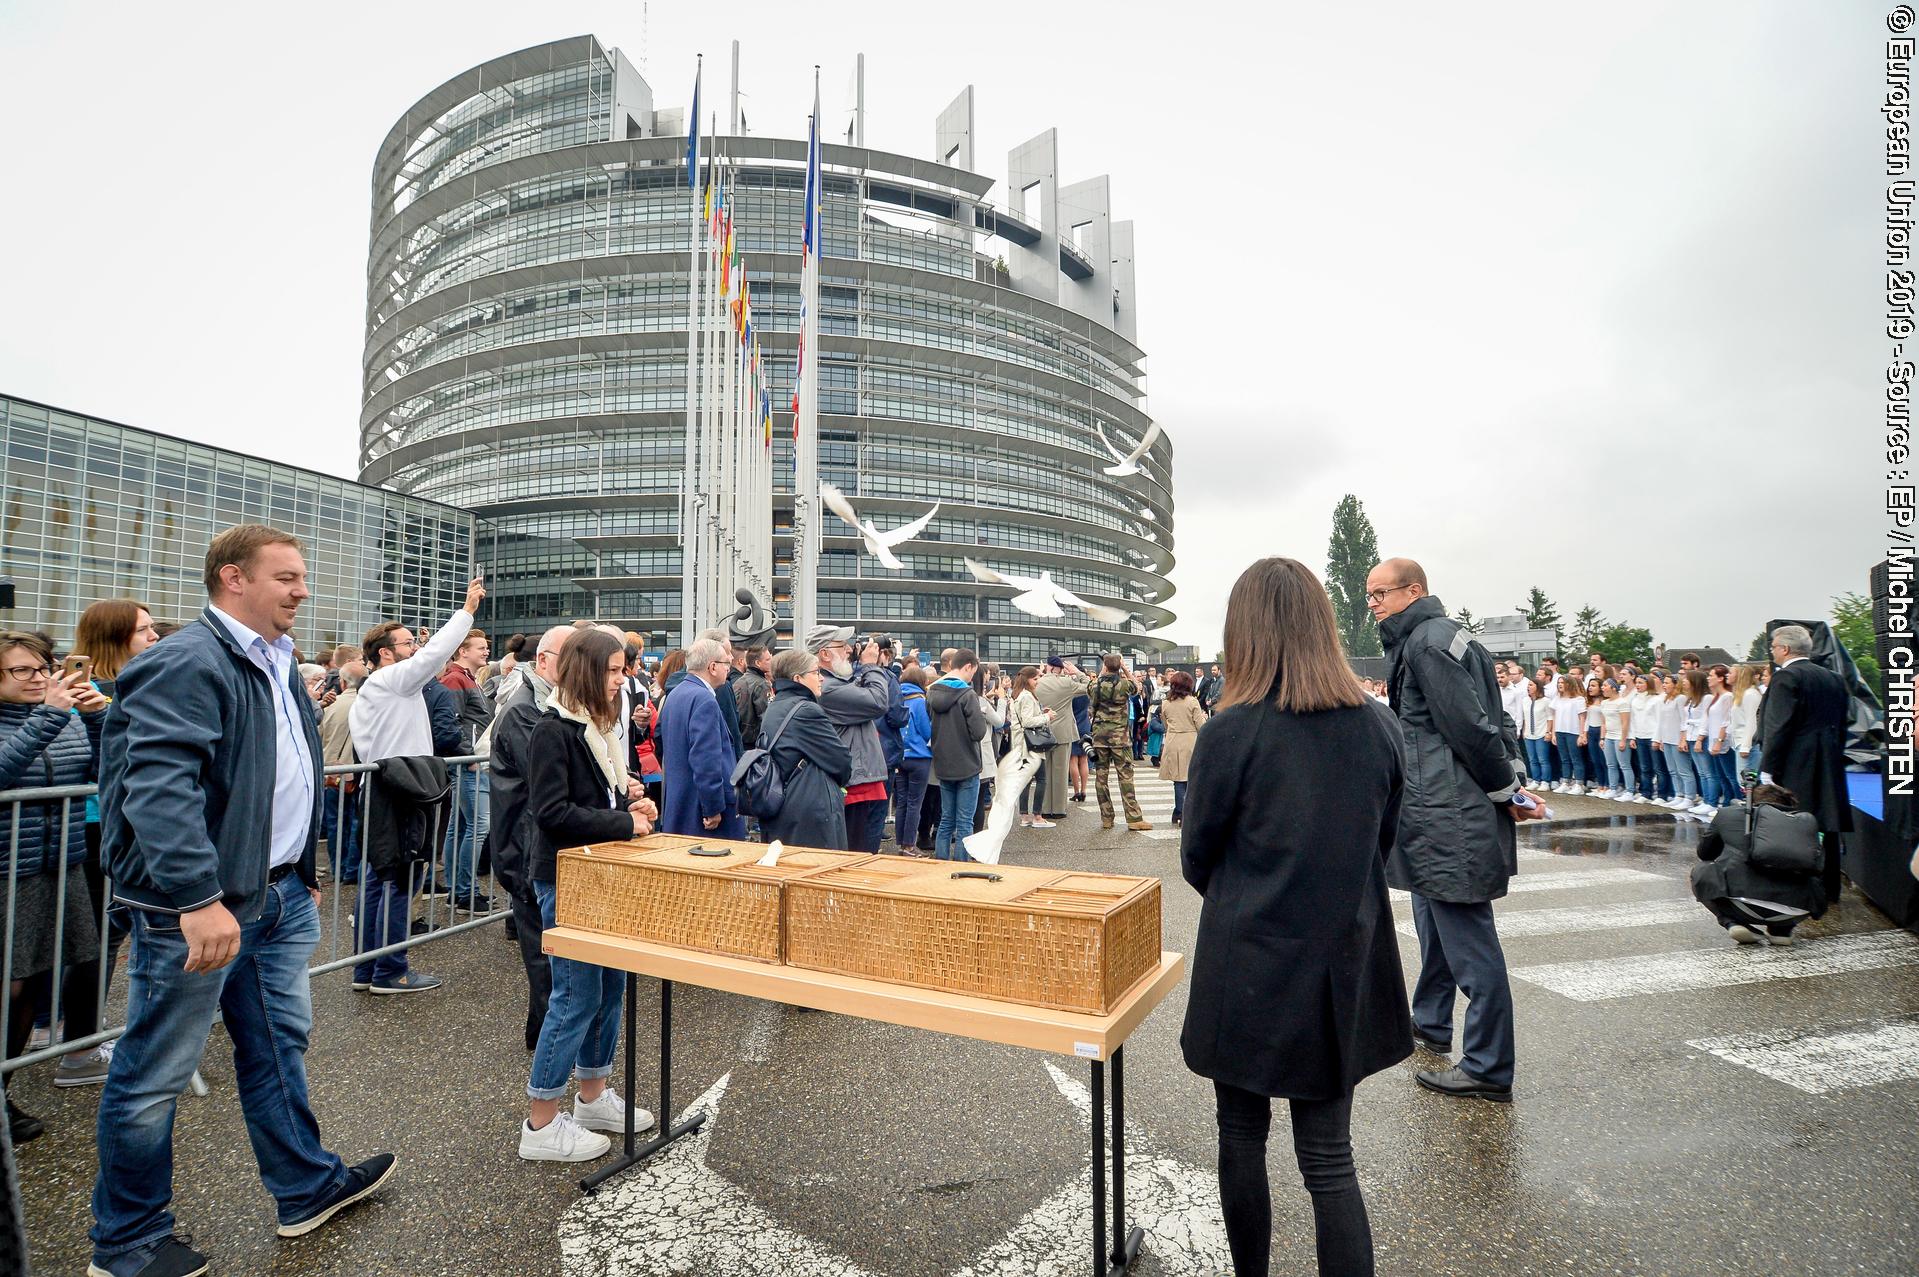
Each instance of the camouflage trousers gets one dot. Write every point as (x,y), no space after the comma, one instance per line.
(1120,758)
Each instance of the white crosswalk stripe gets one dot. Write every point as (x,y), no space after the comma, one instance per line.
(1831,1059)
(1602,979)
(1592,918)
(1607,875)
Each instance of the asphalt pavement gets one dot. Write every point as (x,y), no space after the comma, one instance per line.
(1682,1107)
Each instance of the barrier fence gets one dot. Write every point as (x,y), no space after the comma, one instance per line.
(454,846)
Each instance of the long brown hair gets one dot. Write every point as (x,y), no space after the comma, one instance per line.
(1693,685)
(105,633)
(580,681)
(1282,642)
(1024,680)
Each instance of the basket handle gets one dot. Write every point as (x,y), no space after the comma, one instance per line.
(716,852)
(977,873)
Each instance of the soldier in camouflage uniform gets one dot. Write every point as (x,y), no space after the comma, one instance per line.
(1111,694)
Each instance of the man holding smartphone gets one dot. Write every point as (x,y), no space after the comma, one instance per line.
(208,834)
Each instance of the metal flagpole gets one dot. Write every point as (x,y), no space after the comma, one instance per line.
(806,448)
(689,567)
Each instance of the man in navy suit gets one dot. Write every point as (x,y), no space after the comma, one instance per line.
(699,755)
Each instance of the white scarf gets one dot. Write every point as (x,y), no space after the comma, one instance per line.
(603,745)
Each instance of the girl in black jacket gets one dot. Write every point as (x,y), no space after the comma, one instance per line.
(1291,806)
(578,792)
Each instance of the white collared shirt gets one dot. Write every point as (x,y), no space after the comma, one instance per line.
(292,757)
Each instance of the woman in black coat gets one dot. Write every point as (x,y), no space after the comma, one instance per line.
(1754,903)
(1291,806)
(814,764)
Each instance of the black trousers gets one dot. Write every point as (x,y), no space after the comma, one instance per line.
(527,925)
(1323,1147)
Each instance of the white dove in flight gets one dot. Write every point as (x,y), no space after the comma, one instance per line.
(1043,597)
(1128,461)
(879,543)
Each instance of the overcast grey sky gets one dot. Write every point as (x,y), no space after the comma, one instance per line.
(1577,296)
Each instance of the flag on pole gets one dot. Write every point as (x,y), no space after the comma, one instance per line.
(693,135)
(810,227)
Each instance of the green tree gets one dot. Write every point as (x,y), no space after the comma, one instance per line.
(1588,625)
(1350,555)
(1468,622)
(1541,614)
(1852,626)
(1620,643)
(1759,649)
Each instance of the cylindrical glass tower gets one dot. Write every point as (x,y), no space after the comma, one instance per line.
(526,359)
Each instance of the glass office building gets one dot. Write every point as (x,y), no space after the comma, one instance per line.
(92,509)
(526,356)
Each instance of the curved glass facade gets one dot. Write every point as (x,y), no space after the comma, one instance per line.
(526,359)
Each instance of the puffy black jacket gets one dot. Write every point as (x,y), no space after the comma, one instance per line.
(1456,840)
(41,747)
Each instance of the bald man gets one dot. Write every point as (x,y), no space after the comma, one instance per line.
(513,724)
(1456,849)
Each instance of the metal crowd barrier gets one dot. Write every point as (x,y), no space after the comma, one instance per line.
(466,820)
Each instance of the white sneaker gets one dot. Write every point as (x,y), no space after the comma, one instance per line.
(608,1113)
(1705,811)
(561,1140)
(1641,798)
(1746,935)
(1602,793)
(1042,823)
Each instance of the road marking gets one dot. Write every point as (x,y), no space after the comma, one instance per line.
(1820,1060)
(1593,918)
(671,1214)
(1176,1204)
(1605,978)
(1606,876)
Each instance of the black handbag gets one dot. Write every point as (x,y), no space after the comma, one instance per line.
(1040,739)
(1786,843)
(757,780)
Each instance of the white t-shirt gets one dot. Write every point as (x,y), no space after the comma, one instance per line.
(1569,713)
(1718,717)
(1745,718)
(1538,722)
(1609,715)
(1645,715)
(1672,710)
(1693,719)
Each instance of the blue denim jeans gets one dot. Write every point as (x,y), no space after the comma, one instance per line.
(264,998)
(582,1024)
(1651,767)
(1618,765)
(1723,768)
(383,914)
(1751,761)
(1572,758)
(909,791)
(957,800)
(343,852)
(465,831)
(1179,800)
(1539,762)
(1685,780)
(1595,758)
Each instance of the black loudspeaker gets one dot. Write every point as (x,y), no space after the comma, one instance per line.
(6,593)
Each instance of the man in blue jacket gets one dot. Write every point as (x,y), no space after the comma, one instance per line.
(210,789)
(699,756)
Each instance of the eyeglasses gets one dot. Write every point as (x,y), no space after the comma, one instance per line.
(1379,596)
(27,673)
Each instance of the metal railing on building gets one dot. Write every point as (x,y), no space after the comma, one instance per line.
(350,801)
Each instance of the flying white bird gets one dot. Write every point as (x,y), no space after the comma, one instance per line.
(1128,461)
(879,543)
(1043,597)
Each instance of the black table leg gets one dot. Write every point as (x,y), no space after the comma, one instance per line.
(1126,1243)
(1099,1169)
(629,1155)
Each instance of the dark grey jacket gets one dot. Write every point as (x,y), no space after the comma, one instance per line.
(1725,867)
(41,747)
(1456,840)
(958,728)
(854,706)
(814,765)
(186,775)
(751,691)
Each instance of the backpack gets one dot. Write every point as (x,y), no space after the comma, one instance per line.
(1787,843)
(757,781)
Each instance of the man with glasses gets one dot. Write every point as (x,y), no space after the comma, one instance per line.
(390,720)
(1456,849)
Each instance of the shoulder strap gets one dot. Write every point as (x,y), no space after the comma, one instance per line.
(781,731)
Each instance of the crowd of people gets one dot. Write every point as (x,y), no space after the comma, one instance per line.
(209,746)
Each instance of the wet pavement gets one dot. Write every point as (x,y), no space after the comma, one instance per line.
(1681,1107)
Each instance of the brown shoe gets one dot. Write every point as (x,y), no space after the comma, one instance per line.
(1106,822)
(1138,826)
